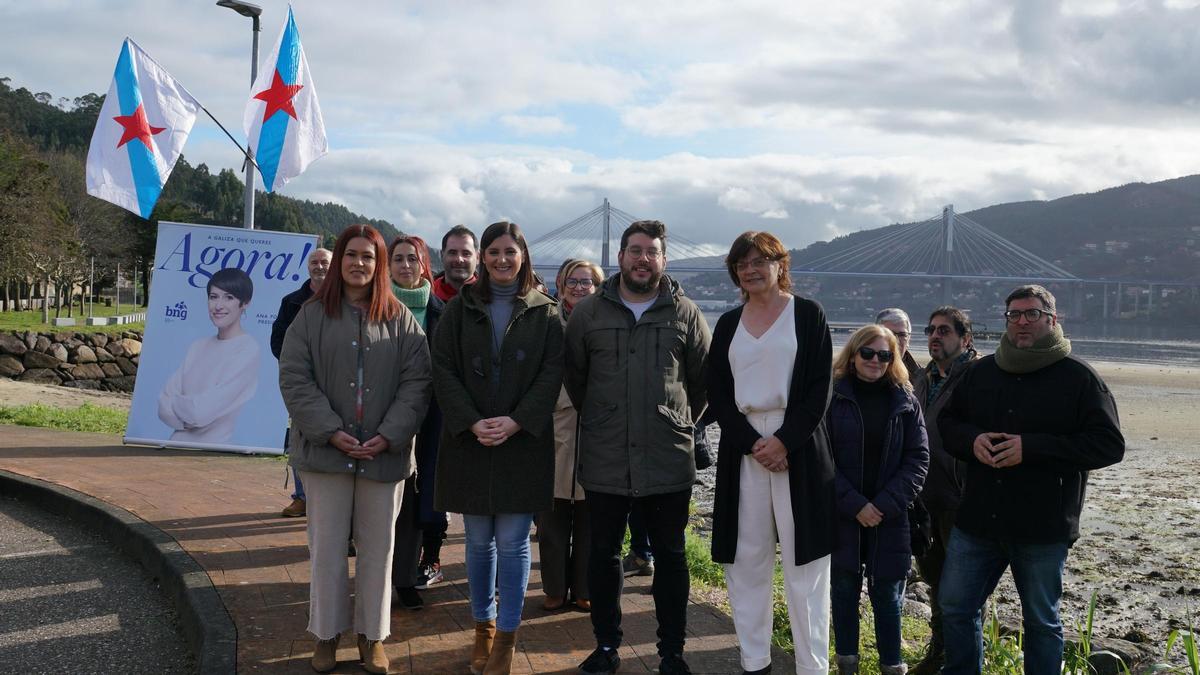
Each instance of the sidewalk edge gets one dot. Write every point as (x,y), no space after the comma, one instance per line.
(206,623)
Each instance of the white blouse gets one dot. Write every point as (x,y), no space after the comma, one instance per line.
(762,367)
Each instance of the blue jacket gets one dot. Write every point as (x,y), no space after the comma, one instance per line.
(905,460)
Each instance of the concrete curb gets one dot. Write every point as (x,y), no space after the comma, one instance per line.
(206,623)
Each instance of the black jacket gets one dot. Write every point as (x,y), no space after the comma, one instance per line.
(810,463)
(947,476)
(428,437)
(1067,420)
(289,307)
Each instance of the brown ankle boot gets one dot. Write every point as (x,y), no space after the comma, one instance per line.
(374,659)
(500,661)
(485,632)
(325,655)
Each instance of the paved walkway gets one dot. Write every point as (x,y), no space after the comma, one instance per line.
(223,510)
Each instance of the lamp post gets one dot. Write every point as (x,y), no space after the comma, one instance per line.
(253,11)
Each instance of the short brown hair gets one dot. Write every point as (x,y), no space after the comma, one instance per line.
(1032,291)
(769,246)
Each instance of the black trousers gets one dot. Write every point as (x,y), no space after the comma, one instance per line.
(666,518)
(930,566)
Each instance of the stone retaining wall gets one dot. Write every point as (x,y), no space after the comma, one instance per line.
(82,360)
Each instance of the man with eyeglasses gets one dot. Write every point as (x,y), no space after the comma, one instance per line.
(1030,422)
(635,357)
(951,352)
(897,321)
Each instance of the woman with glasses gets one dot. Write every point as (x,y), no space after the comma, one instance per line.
(882,454)
(768,388)
(497,371)
(564,532)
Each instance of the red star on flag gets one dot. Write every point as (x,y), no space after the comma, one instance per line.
(278,97)
(137,126)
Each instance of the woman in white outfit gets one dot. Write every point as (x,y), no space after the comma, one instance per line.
(768,388)
(219,374)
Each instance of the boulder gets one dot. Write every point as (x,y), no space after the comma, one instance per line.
(132,347)
(121,384)
(84,354)
(62,337)
(40,376)
(103,355)
(41,343)
(10,366)
(98,339)
(111,370)
(11,344)
(917,610)
(72,343)
(115,349)
(127,367)
(40,360)
(30,338)
(57,351)
(88,371)
(84,384)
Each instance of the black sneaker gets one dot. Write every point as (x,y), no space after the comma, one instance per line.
(429,575)
(673,665)
(410,598)
(601,661)
(634,566)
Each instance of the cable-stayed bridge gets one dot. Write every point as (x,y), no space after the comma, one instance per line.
(941,249)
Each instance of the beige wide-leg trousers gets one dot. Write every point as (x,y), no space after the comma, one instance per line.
(764,513)
(338,504)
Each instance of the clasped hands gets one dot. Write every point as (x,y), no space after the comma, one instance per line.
(998,450)
(771,453)
(350,446)
(493,431)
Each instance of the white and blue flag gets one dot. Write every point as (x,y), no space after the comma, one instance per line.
(283,122)
(141,131)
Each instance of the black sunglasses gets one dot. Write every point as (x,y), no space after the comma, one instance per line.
(942,330)
(867,354)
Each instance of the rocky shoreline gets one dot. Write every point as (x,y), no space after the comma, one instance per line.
(95,361)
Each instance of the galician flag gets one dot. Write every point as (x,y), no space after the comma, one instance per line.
(283,120)
(143,125)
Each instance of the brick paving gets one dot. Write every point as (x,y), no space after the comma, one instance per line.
(223,509)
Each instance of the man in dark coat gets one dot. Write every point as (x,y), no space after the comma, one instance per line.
(951,352)
(1030,422)
(289,307)
(460,257)
(635,354)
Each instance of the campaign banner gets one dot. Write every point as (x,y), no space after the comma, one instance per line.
(206,377)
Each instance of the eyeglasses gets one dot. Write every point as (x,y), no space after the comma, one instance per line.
(1031,315)
(885,356)
(581,283)
(758,264)
(901,335)
(942,330)
(638,252)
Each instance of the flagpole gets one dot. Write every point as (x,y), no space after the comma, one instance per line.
(244,151)
(253,11)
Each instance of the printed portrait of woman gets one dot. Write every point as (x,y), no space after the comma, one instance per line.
(219,373)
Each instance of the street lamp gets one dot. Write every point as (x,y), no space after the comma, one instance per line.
(253,11)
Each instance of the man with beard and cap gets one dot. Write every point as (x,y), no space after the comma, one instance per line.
(289,307)
(635,358)
(951,352)
(459,259)
(1030,422)
(897,321)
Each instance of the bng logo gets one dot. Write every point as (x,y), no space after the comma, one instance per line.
(179,311)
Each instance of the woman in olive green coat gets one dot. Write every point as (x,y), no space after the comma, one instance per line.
(497,369)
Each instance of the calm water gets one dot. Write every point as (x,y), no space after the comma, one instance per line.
(1125,343)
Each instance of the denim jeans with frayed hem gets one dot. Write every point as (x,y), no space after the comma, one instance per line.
(500,541)
(973,568)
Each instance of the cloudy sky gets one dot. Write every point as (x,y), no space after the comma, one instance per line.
(809,119)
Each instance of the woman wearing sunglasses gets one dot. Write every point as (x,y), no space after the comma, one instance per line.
(882,454)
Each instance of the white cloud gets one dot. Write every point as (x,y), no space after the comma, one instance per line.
(536,125)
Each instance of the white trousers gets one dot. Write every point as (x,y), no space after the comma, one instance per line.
(337,502)
(765,516)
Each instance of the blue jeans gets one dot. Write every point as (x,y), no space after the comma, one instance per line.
(886,600)
(299,492)
(501,540)
(973,568)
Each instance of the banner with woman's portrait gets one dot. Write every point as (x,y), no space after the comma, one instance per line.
(206,378)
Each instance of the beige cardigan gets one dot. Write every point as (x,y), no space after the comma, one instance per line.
(317,377)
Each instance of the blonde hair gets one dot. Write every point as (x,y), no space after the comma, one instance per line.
(896,373)
(597,273)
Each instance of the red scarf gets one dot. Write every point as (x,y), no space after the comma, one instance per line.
(443,290)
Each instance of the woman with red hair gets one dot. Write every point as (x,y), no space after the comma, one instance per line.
(355,376)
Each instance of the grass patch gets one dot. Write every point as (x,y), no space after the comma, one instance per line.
(86,417)
(22,321)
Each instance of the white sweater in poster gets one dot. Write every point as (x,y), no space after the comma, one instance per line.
(202,399)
